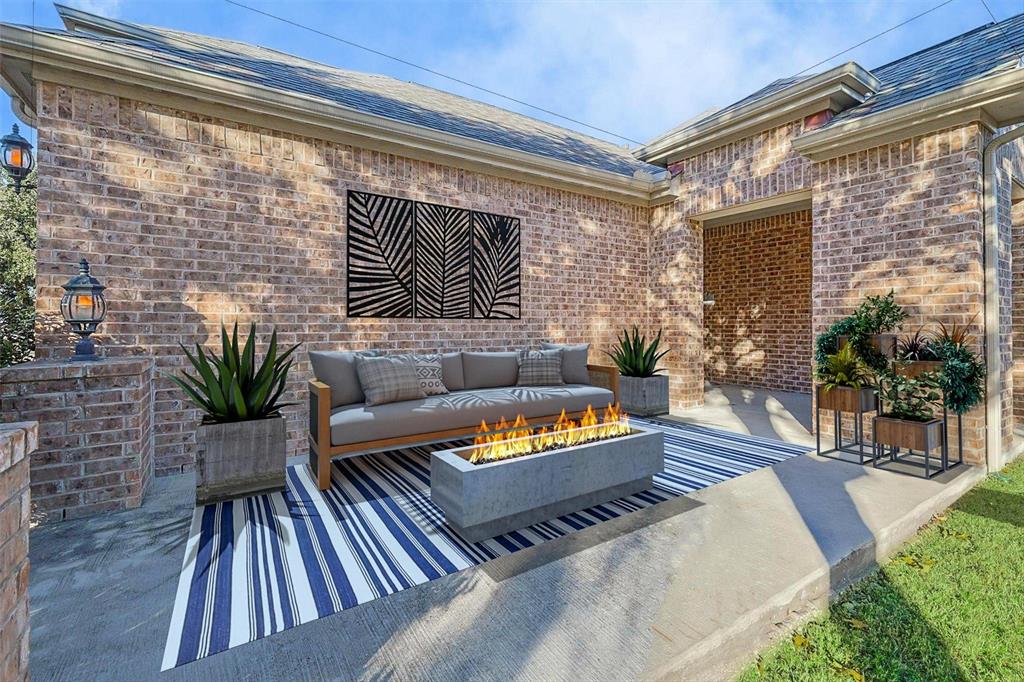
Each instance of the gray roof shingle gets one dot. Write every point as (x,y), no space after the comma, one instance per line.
(981,52)
(373,94)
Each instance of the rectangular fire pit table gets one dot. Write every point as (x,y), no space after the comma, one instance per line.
(488,499)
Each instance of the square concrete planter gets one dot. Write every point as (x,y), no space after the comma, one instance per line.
(644,396)
(484,500)
(240,458)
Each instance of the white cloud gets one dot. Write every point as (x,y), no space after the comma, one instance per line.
(640,69)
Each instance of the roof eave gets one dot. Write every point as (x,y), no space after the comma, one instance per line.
(67,61)
(840,87)
(994,101)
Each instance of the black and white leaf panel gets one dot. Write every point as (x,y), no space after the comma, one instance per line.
(442,262)
(381,267)
(495,266)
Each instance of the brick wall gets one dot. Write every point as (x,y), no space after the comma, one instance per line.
(905,216)
(755,167)
(95,432)
(192,222)
(1017,305)
(758,332)
(17,441)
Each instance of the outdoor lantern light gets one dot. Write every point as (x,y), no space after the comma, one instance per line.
(83,307)
(709,298)
(17,157)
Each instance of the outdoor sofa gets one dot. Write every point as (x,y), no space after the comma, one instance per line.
(482,387)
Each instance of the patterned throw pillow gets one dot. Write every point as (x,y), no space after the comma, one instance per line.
(540,368)
(388,379)
(428,369)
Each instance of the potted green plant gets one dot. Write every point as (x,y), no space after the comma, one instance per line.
(242,437)
(643,390)
(845,383)
(962,379)
(871,330)
(908,418)
(916,355)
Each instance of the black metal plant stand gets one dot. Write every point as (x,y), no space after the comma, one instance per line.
(854,447)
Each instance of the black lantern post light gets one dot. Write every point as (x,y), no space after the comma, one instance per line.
(17,157)
(83,307)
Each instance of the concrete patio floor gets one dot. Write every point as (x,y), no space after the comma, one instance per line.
(687,589)
(782,415)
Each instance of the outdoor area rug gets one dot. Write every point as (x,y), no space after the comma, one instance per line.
(263,564)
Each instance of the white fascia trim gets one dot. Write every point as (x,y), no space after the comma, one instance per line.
(960,105)
(849,82)
(53,54)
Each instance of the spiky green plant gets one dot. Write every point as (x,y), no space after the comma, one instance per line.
(845,369)
(230,388)
(634,356)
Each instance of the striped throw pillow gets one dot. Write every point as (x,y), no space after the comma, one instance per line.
(540,368)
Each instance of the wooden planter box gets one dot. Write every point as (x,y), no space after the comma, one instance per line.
(644,396)
(240,458)
(919,436)
(916,368)
(844,399)
(885,343)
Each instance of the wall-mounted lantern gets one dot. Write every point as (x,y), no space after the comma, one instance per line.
(709,299)
(17,156)
(84,307)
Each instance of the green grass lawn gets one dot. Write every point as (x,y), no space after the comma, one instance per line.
(950,606)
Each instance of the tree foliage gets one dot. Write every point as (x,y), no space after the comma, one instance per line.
(17,270)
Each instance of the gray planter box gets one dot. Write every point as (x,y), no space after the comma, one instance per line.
(644,396)
(240,458)
(484,500)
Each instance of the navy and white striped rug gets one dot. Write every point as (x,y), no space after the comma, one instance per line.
(263,564)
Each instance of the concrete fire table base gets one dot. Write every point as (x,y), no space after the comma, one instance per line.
(484,500)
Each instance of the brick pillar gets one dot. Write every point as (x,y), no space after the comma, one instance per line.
(17,441)
(95,432)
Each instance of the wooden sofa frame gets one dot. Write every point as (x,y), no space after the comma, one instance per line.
(321,452)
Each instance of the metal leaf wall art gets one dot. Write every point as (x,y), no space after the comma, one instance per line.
(413,259)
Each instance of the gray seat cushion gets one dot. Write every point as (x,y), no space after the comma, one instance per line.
(337,369)
(460,409)
(490,370)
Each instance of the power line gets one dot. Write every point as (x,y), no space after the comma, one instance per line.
(1005,37)
(868,40)
(429,70)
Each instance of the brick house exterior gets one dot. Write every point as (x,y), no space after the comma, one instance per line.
(196,210)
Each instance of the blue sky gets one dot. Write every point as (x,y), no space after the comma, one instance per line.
(634,68)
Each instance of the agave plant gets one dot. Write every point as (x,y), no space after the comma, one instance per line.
(230,388)
(845,369)
(634,356)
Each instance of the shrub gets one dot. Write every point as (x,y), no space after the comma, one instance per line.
(634,356)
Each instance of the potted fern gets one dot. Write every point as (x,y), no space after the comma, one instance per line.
(643,390)
(845,383)
(242,437)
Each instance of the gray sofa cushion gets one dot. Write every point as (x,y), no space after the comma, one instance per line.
(574,361)
(490,370)
(458,410)
(451,371)
(337,369)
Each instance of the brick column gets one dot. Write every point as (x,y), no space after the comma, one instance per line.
(95,432)
(17,441)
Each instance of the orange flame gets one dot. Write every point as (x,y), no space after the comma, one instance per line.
(506,440)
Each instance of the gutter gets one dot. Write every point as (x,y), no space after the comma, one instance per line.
(993,362)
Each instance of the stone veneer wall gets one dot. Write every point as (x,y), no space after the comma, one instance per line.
(758,332)
(17,441)
(95,432)
(193,221)
(905,216)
